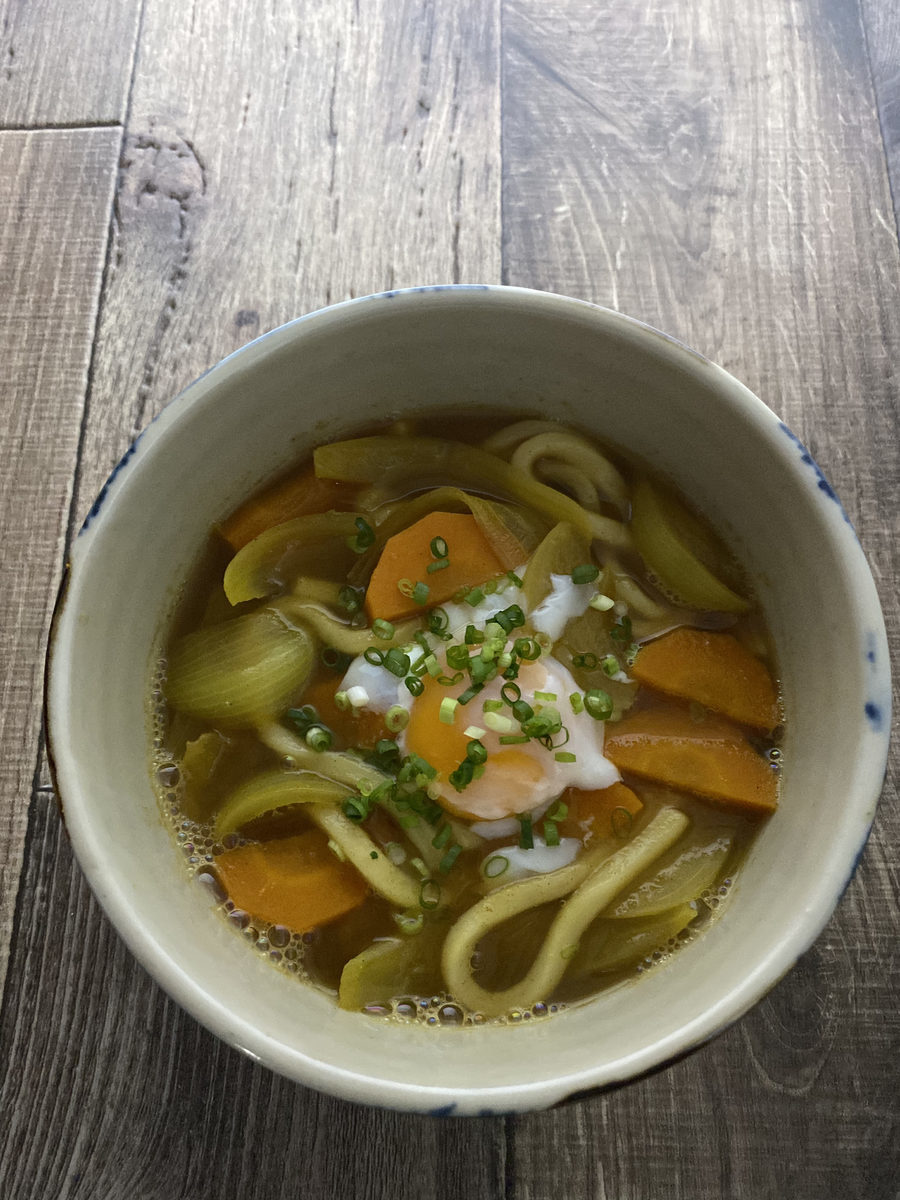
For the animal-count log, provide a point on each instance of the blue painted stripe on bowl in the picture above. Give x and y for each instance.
(94, 510)
(445, 1110)
(821, 482)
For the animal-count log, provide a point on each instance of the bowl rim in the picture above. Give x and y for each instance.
(287, 1060)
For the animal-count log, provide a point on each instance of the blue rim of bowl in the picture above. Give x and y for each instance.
(437, 1100)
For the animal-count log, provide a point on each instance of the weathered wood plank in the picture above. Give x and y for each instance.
(108, 1089)
(270, 166)
(65, 64)
(881, 20)
(55, 196)
(725, 181)
(275, 166)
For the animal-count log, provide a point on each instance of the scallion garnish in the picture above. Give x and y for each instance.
(363, 538)
(335, 660)
(527, 648)
(495, 866)
(587, 661)
(440, 564)
(350, 599)
(449, 858)
(447, 713)
(438, 621)
(585, 573)
(442, 837)
(396, 718)
(510, 693)
(420, 593)
(474, 597)
(621, 630)
(497, 722)
(514, 739)
(577, 702)
(565, 756)
(430, 894)
(457, 657)
(601, 603)
(318, 738)
(551, 834)
(374, 656)
(514, 578)
(396, 662)
(470, 693)
(463, 775)
(598, 704)
(474, 637)
(526, 832)
(621, 820)
(439, 548)
(476, 752)
(548, 697)
(414, 685)
(382, 629)
(610, 665)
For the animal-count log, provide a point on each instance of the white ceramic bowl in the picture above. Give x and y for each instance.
(507, 350)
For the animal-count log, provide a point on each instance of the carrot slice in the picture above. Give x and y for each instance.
(715, 670)
(598, 814)
(294, 881)
(709, 758)
(354, 727)
(407, 555)
(295, 496)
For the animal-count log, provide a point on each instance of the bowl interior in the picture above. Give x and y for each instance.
(507, 351)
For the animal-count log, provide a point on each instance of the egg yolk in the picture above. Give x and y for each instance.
(511, 773)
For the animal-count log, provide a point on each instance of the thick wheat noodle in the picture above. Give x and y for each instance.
(572, 480)
(639, 603)
(505, 440)
(575, 452)
(592, 893)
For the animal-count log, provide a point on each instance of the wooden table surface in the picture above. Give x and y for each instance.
(178, 178)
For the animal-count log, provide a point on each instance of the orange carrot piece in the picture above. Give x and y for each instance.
(354, 727)
(594, 814)
(407, 555)
(715, 670)
(709, 758)
(294, 881)
(292, 497)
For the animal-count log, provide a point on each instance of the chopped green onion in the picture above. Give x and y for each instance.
(601, 603)
(474, 637)
(510, 693)
(442, 837)
(440, 564)
(514, 578)
(356, 807)
(420, 867)
(457, 656)
(420, 593)
(514, 739)
(350, 599)
(610, 665)
(470, 693)
(358, 697)
(490, 587)
(448, 709)
(396, 718)
(621, 630)
(497, 722)
(621, 820)
(364, 537)
(598, 704)
(476, 752)
(438, 621)
(463, 775)
(430, 894)
(414, 686)
(558, 811)
(318, 738)
(551, 833)
(382, 629)
(432, 666)
(474, 597)
(396, 662)
(335, 660)
(449, 858)
(408, 924)
(473, 731)
(550, 697)
(526, 832)
(438, 548)
(587, 661)
(374, 656)
(495, 866)
(492, 706)
(527, 648)
(577, 702)
(373, 854)
(450, 680)
(586, 573)
(565, 756)
(522, 710)
(511, 671)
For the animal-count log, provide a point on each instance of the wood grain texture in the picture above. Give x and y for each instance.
(881, 21)
(59, 182)
(115, 1092)
(273, 166)
(724, 180)
(65, 64)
